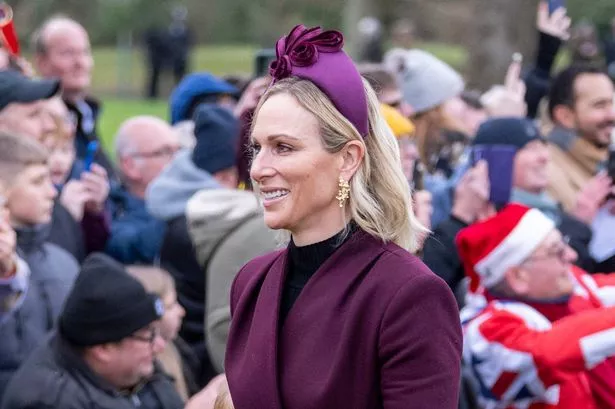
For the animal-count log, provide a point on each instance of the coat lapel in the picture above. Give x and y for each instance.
(256, 358)
(340, 270)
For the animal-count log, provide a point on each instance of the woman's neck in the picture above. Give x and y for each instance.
(321, 232)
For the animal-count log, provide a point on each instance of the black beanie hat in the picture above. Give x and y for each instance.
(217, 135)
(516, 132)
(106, 304)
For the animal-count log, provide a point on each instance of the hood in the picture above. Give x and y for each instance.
(213, 214)
(193, 86)
(168, 194)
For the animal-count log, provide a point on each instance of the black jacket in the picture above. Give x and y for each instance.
(177, 256)
(55, 376)
(538, 77)
(66, 232)
(441, 256)
(85, 134)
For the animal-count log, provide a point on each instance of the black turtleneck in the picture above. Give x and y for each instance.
(303, 262)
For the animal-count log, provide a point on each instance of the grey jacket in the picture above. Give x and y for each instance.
(227, 230)
(52, 274)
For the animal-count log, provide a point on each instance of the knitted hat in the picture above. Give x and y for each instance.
(426, 81)
(217, 132)
(399, 124)
(193, 86)
(489, 248)
(516, 132)
(106, 304)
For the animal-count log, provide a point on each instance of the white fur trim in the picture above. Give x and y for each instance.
(516, 247)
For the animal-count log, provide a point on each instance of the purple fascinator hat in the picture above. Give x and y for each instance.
(317, 56)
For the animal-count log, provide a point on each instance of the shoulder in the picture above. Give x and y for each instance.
(403, 269)
(414, 291)
(63, 259)
(55, 388)
(499, 318)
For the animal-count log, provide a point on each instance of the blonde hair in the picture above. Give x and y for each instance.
(380, 198)
(155, 280)
(429, 127)
(224, 400)
(17, 153)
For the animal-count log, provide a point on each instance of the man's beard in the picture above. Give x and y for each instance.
(592, 137)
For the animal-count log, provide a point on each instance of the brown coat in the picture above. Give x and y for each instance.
(570, 170)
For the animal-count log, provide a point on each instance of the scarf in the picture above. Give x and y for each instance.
(541, 201)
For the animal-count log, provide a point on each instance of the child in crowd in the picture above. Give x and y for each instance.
(82, 193)
(24, 172)
(177, 359)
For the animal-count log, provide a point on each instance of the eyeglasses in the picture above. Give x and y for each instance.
(149, 338)
(165, 151)
(559, 253)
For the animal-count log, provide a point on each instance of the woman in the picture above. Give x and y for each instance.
(345, 316)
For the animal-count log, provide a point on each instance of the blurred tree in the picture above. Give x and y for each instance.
(500, 28)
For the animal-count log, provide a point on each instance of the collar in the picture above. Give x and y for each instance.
(92, 102)
(73, 362)
(553, 310)
(541, 201)
(32, 238)
(587, 155)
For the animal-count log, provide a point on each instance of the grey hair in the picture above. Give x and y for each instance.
(38, 40)
(123, 144)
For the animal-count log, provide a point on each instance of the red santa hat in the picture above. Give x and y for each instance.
(489, 248)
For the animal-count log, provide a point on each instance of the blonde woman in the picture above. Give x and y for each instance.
(344, 316)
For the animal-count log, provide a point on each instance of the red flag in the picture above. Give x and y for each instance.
(7, 30)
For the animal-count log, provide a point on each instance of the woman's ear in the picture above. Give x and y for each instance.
(352, 156)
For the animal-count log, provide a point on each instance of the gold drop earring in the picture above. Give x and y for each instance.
(343, 192)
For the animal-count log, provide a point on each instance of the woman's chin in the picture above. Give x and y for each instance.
(274, 222)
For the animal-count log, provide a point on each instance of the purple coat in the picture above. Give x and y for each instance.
(373, 328)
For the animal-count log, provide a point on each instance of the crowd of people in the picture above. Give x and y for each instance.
(337, 234)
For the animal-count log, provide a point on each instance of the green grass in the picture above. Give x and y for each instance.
(119, 78)
(115, 111)
(124, 73)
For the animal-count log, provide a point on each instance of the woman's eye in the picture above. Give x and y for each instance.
(282, 148)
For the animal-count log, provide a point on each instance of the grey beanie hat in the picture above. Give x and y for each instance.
(425, 80)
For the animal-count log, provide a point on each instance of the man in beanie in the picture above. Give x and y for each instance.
(144, 146)
(541, 332)
(103, 354)
(529, 184)
(210, 165)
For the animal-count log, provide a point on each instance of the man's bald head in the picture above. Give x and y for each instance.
(141, 132)
(62, 49)
(144, 145)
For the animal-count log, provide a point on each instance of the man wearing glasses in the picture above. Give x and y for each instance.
(144, 146)
(538, 331)
(104, 352)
